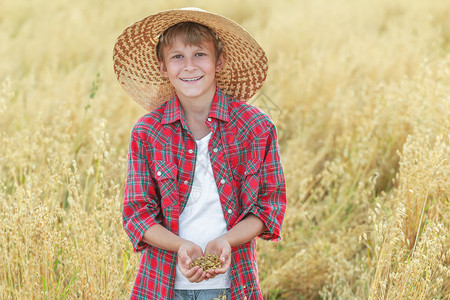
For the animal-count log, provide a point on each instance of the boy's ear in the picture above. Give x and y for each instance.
(163, 69)
(220, 63)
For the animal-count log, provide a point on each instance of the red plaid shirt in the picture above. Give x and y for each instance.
(246, 164)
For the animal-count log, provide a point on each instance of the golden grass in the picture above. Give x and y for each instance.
(359, 91)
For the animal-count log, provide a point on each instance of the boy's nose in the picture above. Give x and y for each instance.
(189, 65)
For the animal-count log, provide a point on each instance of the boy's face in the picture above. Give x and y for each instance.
(191, 69)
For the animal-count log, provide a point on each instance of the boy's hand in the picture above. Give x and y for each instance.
(221, 247)
(186, 254)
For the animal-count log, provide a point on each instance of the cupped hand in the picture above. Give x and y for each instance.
(221, 247)
(187, 253)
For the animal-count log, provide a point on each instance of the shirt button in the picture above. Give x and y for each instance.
(209, 119)
(158, 173)
(229, 211)
(186, 182)
(222, 181)
(190, 151)
(215, 150)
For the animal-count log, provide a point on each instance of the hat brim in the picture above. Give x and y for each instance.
(136, 62)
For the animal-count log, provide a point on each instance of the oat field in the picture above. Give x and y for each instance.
(359, 91)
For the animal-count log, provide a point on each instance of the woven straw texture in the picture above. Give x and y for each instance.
(137, 68)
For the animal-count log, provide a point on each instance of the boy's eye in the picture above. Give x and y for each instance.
(200, 54)
(178, 56)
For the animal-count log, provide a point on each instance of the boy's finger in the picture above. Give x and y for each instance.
(189, 272)
(223, 268)
(194, 274)
(225, 259)
(224, 255)
(210, 274)
(183, 266)
(197, 276)
(182, 255)
(220, 271)
(202, 276)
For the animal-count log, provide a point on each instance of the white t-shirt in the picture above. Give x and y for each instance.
(202, 219)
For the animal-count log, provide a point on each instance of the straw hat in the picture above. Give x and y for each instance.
(137, 68)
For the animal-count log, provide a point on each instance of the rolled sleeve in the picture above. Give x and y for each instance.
(140, 208)
(270, 205)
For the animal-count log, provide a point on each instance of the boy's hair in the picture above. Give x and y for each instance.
(191, 34)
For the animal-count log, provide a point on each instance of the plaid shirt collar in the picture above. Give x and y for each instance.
(174, 112)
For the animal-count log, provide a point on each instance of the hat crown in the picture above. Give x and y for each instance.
(193, 9)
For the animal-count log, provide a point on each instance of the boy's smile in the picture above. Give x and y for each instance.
(191, 69)
(192, 79)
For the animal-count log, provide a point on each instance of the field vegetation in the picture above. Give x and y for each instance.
(360, 94)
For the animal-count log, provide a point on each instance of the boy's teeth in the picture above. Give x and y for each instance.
(191, 79)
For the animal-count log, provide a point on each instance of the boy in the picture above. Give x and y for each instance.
(204, 174)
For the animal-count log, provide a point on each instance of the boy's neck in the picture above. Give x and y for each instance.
(196, 110)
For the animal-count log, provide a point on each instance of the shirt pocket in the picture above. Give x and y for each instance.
(165, 174)
(247, 176)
